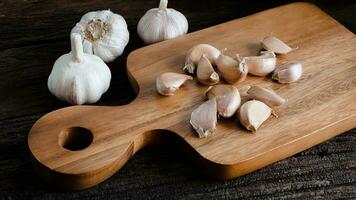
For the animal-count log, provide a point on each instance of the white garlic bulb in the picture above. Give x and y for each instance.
(104, 34)
(161, 23)
(78, 77)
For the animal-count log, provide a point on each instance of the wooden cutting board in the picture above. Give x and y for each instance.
(78, 147)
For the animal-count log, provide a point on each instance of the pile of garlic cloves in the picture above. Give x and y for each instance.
(252, 105)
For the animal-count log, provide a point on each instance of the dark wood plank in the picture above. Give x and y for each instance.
(34, 33)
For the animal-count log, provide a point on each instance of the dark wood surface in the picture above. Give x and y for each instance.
(34, 33)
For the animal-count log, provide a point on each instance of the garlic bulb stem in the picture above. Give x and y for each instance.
(77, 47)
(163, 4)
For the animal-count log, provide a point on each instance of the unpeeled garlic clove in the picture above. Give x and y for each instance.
(168, 83)
(267, 96)
(227, 97)
(288, 72)
(204, 118)
(261, 65)
(231, 70)
(205, 72)
(276, 45)
(195, 53)
(243, 90)
(253, 113)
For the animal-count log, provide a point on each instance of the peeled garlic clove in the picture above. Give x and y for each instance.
(77, 77)
(227, 97)
(261, 65)
(276, 45)
(195, 53)
(104, 34)
(267, 96)
(168, 83)
(205, 72)
(288, 72)
(204, 119)
(161, 23)
(253, 113)
(231, 70)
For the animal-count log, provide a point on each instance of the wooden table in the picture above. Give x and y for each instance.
(34, 33)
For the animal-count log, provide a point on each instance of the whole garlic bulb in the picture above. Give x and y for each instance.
(161, 23)
(104, 34)
(78, 77)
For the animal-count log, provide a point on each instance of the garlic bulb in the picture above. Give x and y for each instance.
(288, 72)
(161, 23)
(261, 65)
(276, 45)
(232, 70)
(104, 34)
(195, 53)
(253, 113)
(267, 96)
(168, 83)
(205, 72)
(78, 77)
(204, 119)
(227, 97)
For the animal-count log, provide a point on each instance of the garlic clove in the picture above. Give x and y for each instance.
(204, 118)
(244, 89)
(276, 45)
(161, 23)
(227, 97)
(253, 113)
(205, 72)
(231, 70)
(267, 96)
(261, 65)
(195, 53)
(77, 77)
(168, 83)
(103, 33)
(288, 72)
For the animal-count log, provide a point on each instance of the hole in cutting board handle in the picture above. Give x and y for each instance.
(75, 138)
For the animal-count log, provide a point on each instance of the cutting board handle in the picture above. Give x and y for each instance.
(79, 146)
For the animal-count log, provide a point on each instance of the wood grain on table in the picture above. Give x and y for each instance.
(31, 42)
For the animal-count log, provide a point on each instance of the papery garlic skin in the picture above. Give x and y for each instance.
(168, 83)
(161, 23)
(261, 65)
(288, 72)
(227, 97)
(205, 72)
(204, 118)
(231, 70)
(253, 113)
(276, 45)
(195, 53)
(104, 34)
(77, 77)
